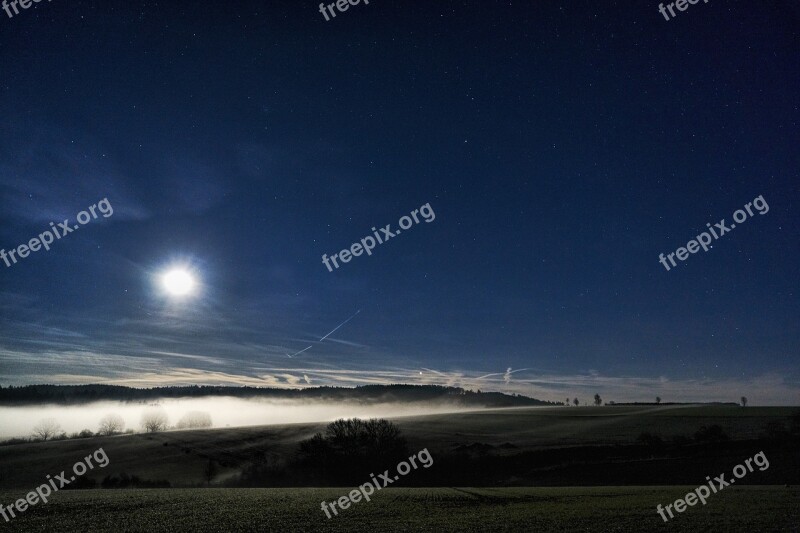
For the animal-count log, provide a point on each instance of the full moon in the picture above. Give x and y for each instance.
(178, 282)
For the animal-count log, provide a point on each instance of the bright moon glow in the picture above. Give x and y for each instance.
(178, 282)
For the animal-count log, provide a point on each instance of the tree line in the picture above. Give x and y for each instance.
(599, 401)
(79, 394)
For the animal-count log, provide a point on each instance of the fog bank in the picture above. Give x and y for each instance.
(18, 421)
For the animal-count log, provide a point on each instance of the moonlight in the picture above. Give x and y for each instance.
(178, 282)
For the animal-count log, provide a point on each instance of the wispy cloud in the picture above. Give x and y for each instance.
(203, 358)
(159, 369)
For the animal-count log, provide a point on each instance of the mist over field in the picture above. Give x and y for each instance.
(224, 411)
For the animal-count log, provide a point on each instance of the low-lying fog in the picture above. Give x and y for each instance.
(224, 411)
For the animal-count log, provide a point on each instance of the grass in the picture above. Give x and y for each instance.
(608, 509)
(180, 456)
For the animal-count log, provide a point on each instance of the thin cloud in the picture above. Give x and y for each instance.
(148, 371)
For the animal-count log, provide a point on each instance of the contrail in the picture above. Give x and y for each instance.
(340, 325)
(298, 353)
(506, 373)
(326, 336)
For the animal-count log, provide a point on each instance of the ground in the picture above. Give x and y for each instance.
(180, 456)
(606, 509)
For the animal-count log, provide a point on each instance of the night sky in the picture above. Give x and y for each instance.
(561, 145)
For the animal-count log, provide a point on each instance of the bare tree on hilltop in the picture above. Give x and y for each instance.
(194, 420)
(47, 429)
(111, 424)
(154, 420)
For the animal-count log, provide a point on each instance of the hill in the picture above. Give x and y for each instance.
(368, 394)
(499, 447)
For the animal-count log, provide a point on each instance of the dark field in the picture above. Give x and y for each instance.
(745, 509)
(548, 469)
(552, 446)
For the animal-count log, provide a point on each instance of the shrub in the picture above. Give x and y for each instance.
(649, 439)
(125, 481)
(349, 448)
(711, 434)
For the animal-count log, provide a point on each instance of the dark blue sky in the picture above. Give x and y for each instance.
(562, 147)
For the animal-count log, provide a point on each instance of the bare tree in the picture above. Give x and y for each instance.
(576, 402)
(658, 399)
(194, 419)
(47, 429)
(744, 401)
(597, 400)
(567, 402)
(210, 471)
(111, 424)
(154, 420)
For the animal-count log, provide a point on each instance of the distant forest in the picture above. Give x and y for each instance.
(368, 394)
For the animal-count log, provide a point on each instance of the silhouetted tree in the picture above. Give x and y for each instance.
(575, 401)
(597, 399)
(46, 429)
(349, 447)
(658, 399)
(110, 424)
(194, 420)
(154, 420)
(210, 471)
(744, 401)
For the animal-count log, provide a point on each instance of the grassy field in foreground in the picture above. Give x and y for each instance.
(607, 509)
